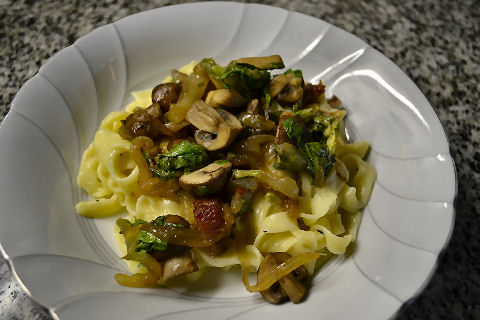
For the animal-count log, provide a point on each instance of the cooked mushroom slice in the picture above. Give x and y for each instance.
(209, 179)
(204, 117)
(291, 285)
(217, 127)
(291, 94)
(277, 84)
(286, 87)
(179, 265)
(275, 294)
(266, 63)
(226, 98)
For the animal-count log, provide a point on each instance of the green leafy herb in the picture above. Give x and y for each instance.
(202, 191)
(289, 158)
(183, 157)
(135, 223)
(320, 160)
(316, 146)
(246, 79)
(277, 65)
(160, 221)
(221, 161)
(294, 130)
(325, 129)
(296, 73)
(148, 242)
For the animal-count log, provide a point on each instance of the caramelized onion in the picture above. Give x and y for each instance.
(277, 273)
(137, 280)
(253, 143)
(154, 268)
(147, 184)
(192, 89)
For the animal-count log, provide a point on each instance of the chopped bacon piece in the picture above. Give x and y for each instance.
(311, 92)
(209, 216)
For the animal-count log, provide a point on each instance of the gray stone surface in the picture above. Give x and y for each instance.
(436, 43)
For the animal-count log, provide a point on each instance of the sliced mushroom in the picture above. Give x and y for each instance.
(204, 117)
(211, 178)
(179, 265)
(266, 63)
(217, 127)
(275, 294)
(290, 94)
(286, 88)
(226, 98)
(291, 285)
(277, 84)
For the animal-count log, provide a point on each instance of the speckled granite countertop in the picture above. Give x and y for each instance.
(436, 43)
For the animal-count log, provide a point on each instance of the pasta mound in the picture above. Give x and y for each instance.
(325, 215)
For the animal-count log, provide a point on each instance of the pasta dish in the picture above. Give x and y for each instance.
(221, 166)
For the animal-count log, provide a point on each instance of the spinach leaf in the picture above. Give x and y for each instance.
(316, 146)
(244, 78)
(183, 157)
(294, 130)
(248, 80)
(320, 160)
(148, 242)
(160, 221)
(289, 158)
(296, 73)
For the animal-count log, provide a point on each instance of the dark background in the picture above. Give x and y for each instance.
(437, 43)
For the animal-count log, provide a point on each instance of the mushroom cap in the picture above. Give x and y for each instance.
(225, 97)
(179, 265)
(217, 127)
(204, 117)
(266, 63)
(213, 177)
(286, 87)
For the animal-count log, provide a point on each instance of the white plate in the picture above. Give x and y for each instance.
(67, 262)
